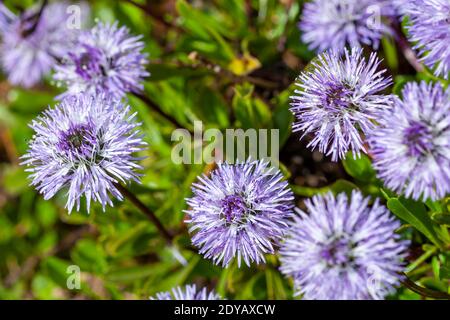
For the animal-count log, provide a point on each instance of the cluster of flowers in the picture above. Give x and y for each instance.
(87, 142)
(342, 247)
(333, 24)
(342, 96)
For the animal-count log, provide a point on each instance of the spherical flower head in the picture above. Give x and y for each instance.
(84, 145)
(411, 149)
(189, 292)
(241, 211)
(334, 24)
(343, 249)
(32, 42)
(107, 59)
(339, 96)
(430, 29)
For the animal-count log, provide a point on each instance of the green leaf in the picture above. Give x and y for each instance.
(209, 30)
(359, 168)
(342, 186)
(415, 214)
(400, 82)
(338, 187)
(124, 239)
(435, 265)
(444, 272)
(178, 277)
(390, 53)
(435, 206)
(43, 287)
(282, 116)
(236, 11)
(15, 179)
(433, 284)
(131, 274)
(208, 105)
(46, 213)
(169, 96)
(441, 218)
(57, 270)
(275, 287)
(253, 288)
(26, 101)
(224, 280)
(161, 71)
(198, 22)
(47, 242)
(89, 256)
(250, 112)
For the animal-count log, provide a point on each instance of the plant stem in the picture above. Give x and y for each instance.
(425, 292)
(142, 207)
(8, 144)
(146, 9)
(406, 49)
(154, 107)
(421, 259)
(36, 18)
(137, 5)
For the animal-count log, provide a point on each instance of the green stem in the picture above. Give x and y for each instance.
(36, 18)
(421, 259)
(143, 208)
(153, 106)
(424, 292)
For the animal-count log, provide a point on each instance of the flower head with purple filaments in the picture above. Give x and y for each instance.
(429, 29)
(189, 292)
(241, 211)
(411, 149)
(338, 97)
(404, 6)
(343, 249)
(334, 24)
(32, 42)
(107, 59)
(86, 145)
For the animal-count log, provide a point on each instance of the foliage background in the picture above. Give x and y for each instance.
(230, 64)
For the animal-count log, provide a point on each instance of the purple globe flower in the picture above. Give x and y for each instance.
(333, 24)
(240, 210)
(32, 42)
(339, 96)
(107, 59)
(403, 6)
(411, 150)
(343, 249)
(84, 145)
(189, 292)
(6, 17)
(430, 29)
